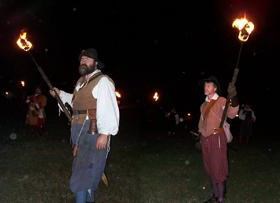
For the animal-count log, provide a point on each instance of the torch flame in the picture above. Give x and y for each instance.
(118, 95)
(245, 28)
(156, 96)
(22, 83)
(23, 43)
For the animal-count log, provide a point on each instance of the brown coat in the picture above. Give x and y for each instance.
(211, 115)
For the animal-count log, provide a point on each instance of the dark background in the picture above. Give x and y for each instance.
(168, 46)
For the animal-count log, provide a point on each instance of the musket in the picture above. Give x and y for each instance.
(49, 84)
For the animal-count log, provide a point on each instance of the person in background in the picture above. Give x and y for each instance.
(36, 116)
(173, 120)
(248, 118)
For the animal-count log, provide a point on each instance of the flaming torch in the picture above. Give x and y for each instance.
(22, 83)
(245, 28)
(156, 96)
(118, 95)
(23, 43)
(26, 45)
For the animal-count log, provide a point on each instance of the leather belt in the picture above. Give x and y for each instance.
(78, 112)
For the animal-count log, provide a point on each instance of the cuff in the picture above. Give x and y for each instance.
(103, 133)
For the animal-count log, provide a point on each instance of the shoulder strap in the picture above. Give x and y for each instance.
(208, 107)
(97, 75)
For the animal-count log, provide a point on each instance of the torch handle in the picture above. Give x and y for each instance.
(46, 79)
(233, 81)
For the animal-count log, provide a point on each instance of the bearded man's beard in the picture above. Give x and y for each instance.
(84, 69)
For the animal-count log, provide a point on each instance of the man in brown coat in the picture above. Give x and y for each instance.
(213, 139)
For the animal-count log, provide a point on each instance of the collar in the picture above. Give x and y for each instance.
(92, 74)
(215, 97)
(86, 78)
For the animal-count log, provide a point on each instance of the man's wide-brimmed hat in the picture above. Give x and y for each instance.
(214, 80)
(91, 53)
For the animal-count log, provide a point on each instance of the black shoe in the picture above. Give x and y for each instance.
(212, 199)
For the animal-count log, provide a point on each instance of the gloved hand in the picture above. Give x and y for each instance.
(231, 90)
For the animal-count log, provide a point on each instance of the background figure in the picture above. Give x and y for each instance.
(173, 120)
(36, 117)
(247, 117)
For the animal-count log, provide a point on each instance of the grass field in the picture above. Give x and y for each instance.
(142, 167)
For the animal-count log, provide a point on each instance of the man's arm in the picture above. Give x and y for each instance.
(233, 108)
(64, 96)
(234, 102)
(107, 112)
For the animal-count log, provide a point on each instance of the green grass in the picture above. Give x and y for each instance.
(150, 168)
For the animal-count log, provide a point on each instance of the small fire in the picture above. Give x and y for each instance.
(23, 43)
(22, 83)
(245, 28)
(156, 96)
(118, 95)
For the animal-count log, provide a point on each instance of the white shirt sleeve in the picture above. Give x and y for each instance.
(107, 112)
(66, 98)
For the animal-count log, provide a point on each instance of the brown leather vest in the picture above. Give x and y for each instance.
(83, 98)
(84, 102)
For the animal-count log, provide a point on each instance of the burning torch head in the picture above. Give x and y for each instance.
(156, 96)
(23, 42)
(245, 28)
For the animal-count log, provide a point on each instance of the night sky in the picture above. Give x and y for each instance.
(167, 46)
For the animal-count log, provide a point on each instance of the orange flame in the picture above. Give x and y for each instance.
(23, 43)
(22, 83)
(118, 95)
(156, 96)
(245, 28)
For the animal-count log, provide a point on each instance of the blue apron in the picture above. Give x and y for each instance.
(88, 166)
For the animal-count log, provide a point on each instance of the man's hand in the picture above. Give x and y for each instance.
(231, 90)
(102, 142)
(53, 93)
